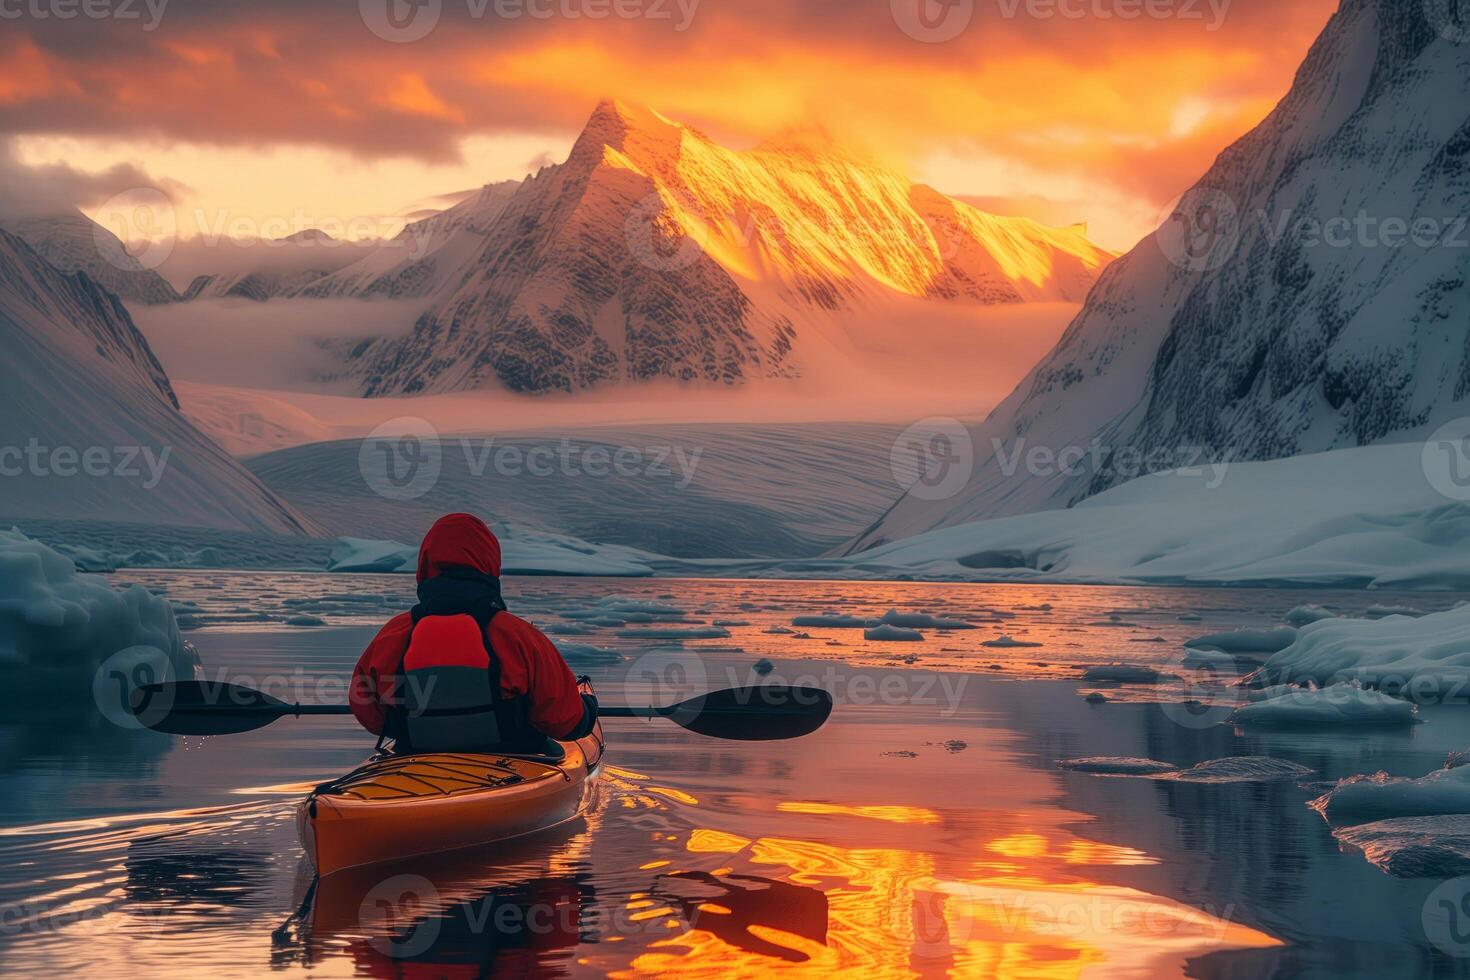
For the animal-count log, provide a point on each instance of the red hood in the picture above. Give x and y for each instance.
(462, 540)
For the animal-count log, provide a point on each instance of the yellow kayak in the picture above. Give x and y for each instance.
(395, 807)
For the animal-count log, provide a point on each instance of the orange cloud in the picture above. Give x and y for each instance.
(1136, 107)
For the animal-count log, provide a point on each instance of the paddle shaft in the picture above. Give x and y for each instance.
(745, 714)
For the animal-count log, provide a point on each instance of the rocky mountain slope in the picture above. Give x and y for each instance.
(1309, 292)
(73, 242)
(654, 252)
(90, 428)
(429, 256)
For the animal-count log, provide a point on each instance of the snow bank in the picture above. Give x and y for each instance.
(54, 620)
(1361, 517)
(1346, 705)
(522, 553)
(1380, 795)
(1427, 656)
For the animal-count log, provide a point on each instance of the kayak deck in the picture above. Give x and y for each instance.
(436, 774)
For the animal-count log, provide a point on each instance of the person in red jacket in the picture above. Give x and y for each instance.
(458, 673)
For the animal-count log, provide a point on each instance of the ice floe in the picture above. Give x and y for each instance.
(1339, 705)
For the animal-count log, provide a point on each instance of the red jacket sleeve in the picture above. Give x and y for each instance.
(531, 665)
(373, 677)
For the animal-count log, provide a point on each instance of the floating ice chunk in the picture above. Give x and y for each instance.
(1008, 642)
(919, 620)
(368, 555)
(1117, 765)
(1274, 691)
(1232, 769)
(1377, 611)
(1381, 795)
(675, 633)
(1308, 613)
(889, 632)
(586, 655)
(1123, 674)
(1414, 847)
(55, 620)
(1242, 769)
(623, 604)
(569, 629)
(1344, 705)
(1429, 654)
(1246, 641)
(833, 621)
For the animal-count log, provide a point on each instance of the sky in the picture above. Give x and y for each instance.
(275, 115)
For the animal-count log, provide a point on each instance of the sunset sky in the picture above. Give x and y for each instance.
(293, 110)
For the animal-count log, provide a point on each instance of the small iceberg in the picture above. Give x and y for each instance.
(889, 633)
(1341, 705)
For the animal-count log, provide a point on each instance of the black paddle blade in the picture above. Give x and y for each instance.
(204, 708)
(754, 714)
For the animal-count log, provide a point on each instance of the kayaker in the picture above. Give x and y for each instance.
(458, 673)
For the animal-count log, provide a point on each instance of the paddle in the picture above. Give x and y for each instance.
(747, 714)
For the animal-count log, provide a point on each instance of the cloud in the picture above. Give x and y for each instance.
(58, 188)
(1082, 88)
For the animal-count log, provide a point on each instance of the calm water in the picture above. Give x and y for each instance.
(925, 831)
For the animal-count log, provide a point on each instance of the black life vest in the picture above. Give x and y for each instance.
(448, 691)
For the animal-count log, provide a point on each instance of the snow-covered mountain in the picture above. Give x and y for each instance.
(653, 252)
(429, 256)
(73, 242)
(259, 285)
(264, 269)
(89, 424)
(1310, 292)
